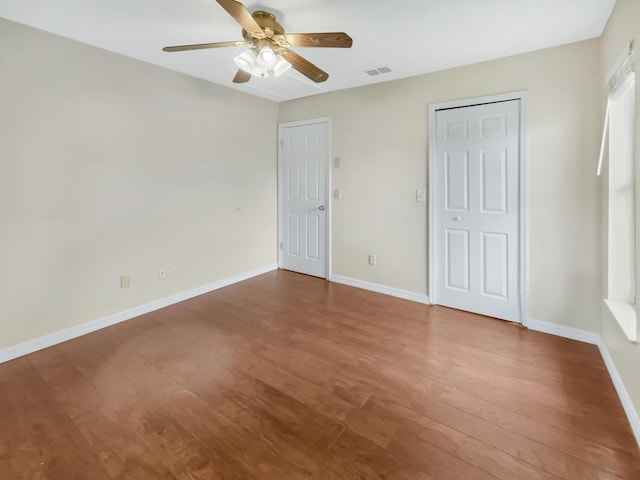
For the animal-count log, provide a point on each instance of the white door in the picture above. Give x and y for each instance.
(304, 165)
(477, 178)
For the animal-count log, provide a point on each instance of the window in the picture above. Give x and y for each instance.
(621, 257)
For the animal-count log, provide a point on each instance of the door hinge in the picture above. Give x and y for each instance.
(280, 245)
(281, 143)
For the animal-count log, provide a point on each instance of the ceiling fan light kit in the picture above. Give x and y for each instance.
(267, 63)
(266, 37)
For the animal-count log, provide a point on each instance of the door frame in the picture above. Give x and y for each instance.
(327, 171)
(523, 218)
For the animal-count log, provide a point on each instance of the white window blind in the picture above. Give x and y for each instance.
(618, 77)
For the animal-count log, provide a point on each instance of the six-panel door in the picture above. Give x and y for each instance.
(304, 184)
(477, 209)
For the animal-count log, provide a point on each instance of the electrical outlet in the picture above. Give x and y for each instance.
(124, 281)
(162, 274)
(372, 260)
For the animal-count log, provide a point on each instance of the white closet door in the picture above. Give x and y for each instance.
(477, 210)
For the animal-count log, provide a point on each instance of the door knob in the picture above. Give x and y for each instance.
(321, 207)
(455, 219)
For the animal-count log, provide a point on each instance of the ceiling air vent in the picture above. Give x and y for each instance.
(377, 71)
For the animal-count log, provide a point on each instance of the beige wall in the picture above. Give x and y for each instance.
(623, 26)
(380, 134)
(111, 166)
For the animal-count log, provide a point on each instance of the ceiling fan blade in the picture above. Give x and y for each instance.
(329, 39)
(242, 16)
(242, 76)
(304, 66)
(200, 46)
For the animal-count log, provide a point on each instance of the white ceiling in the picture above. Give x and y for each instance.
(411, 37)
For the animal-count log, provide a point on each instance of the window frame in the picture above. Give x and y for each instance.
(621, 294)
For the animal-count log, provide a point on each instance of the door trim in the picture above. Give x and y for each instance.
(523, 218)
(327, 169)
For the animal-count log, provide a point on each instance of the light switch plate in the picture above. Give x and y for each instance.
(337, 194)
(421, 196)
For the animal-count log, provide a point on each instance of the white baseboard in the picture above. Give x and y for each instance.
(563, 331)
(632, 414)
(374, 287)
(31, 346)
(595, 339)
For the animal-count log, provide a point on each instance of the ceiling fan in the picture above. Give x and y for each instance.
(270, 53)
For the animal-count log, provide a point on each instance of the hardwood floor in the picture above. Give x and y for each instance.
(286, 376)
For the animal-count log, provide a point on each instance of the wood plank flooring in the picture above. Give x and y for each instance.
(286, 376)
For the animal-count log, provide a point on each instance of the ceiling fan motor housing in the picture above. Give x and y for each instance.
(267, 22)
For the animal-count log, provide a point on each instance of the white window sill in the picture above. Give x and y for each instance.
(626, 317)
